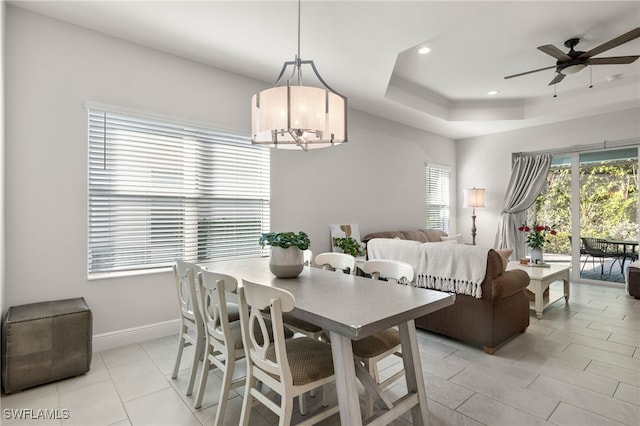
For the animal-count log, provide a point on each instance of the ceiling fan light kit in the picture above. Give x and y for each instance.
(575, 61)
(296, 116)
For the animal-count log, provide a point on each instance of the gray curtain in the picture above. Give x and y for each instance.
(528, 177)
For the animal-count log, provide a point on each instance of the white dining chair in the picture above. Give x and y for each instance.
(191, 323)
(338, 261)
(223, 337)
(288, 367)
(372, 349)
(308, 257)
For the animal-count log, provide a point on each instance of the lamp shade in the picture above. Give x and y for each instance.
(298, 116)
(474, 197)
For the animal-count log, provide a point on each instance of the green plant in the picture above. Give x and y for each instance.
(285, 240)
(349, 245)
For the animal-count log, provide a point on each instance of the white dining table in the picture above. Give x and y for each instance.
(349, 308)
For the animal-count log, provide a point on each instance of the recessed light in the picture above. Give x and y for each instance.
(493, 92)
(424, 50)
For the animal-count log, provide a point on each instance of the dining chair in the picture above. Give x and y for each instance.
(222, 335)
(288, 367)
(191, 323)
(372, 349)
(223, 338)
(601, 249)
(338, 261)
(308, 257)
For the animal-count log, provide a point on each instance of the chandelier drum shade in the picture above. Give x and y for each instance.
(295, 116)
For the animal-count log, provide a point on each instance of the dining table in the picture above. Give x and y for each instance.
(631, 253)
(348, 308)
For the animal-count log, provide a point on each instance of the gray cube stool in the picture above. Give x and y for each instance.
(44, 342)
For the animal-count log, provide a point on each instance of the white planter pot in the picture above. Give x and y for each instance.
(536, 256)
(286, 263)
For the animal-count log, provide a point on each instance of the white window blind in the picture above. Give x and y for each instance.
(437, 186)
(162, 191)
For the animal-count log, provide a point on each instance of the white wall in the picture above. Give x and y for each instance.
(52, 69)
(2, 73)
(486, 161)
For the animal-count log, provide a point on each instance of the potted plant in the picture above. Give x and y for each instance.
(537, 235)
(287, 259)
(349, 245)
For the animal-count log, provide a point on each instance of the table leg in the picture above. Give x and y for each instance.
(537, 286)
(566, 288)
(413, 372)
(346, 385)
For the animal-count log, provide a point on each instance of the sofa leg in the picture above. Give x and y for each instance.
(488, 350)
(524, 330)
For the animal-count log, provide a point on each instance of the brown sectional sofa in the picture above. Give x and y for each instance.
(501, 313)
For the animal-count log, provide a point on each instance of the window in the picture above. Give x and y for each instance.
(162, 191)
(437, 211)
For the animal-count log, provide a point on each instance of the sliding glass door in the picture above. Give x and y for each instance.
(591, 198)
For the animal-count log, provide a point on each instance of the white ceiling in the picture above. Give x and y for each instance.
(366, 50)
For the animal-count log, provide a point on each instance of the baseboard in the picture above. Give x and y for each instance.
(115, 339)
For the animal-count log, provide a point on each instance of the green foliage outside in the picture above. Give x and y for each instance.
(608, 203)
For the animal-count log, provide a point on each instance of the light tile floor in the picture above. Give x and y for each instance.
(578, 365)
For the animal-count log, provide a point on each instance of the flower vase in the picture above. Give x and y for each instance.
(536, 256)
(286, 262)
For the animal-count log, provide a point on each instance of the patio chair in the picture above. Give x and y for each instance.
(601, 249)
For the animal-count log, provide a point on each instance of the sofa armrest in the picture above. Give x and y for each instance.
(508, 283)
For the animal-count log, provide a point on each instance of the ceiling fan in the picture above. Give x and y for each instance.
(573, 61)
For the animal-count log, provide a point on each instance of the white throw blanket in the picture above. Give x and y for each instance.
(394, 249)
(452, 267)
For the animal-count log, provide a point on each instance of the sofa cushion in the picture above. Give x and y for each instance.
(433, 235)
(383, 234)
(505, 254)
(415, 236)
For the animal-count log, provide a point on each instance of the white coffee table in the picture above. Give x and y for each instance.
(541, 278)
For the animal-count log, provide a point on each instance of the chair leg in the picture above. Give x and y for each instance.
(194, 368)
(206, 366)
(181, 342)
(247, 401)
(286, 407)
(325, 392)
(302, 401)
(224, 391)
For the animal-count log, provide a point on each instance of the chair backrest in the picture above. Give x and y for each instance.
(594, 245)
(188, 293)
(270, 358)
(337, 261)
(213, 287)
(308, 257)
(401, 272)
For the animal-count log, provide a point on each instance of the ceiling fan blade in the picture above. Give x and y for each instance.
(557, 79)
(613, 60)
(633, 34)
(529, 72)
(550, 49)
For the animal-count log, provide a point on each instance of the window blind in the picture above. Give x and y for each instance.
(161, 191)
(437, 186)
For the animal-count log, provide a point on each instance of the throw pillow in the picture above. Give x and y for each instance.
(505, 254)
(455, 239)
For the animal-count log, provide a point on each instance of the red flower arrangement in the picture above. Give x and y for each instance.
(537, 234)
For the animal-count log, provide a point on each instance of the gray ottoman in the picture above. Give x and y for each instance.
(44, 342)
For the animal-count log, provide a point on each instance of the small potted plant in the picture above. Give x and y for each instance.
(349, 245)
(287, 259)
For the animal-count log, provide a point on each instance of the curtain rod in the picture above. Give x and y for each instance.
(621, 143)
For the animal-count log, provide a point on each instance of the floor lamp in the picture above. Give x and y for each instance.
(473, 197)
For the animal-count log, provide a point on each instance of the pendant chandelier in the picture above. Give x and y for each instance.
(293, 115)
